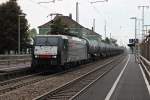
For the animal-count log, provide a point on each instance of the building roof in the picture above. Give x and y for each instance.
(70, 23)
(65, 19)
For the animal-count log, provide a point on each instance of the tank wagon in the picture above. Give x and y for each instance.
(61, 50)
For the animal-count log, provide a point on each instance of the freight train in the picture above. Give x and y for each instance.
(62, 50)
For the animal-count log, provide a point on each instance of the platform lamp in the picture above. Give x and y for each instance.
(20, 15)
(135, 18)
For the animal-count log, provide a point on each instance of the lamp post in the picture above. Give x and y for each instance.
(135, 34)
(20, 15)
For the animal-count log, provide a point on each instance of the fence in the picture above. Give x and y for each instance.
(145, 48)
(9, 57)
(145, 56)
(14, 60)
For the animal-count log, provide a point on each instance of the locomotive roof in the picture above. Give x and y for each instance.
(63, 36)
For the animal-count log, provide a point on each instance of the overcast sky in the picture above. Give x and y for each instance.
(117, 14)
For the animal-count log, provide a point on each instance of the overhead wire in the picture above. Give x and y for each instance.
(100, 14)
(38, 4)
(95, 9)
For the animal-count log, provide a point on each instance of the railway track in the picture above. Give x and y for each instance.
(70, 89)
(13, 84)
(7, 88)
(6, 75)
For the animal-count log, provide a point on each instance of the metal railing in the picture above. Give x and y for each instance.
(5, 57)
(14, 61)
(146, 67)
(8, 62)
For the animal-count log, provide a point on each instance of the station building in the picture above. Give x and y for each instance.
(74, 27)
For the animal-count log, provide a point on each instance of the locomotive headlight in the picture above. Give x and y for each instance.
(36, 56)
(54, 56)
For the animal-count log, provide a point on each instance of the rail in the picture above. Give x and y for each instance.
(146, 66)
(77, 84)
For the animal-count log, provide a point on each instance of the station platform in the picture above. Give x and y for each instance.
(131, 85)
(124, 82)
(11, 67)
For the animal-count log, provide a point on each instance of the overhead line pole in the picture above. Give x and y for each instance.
(77, 12)
(143, 9)
(94, 24)
(105, 28)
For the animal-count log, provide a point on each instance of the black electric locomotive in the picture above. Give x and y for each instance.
(58, 50)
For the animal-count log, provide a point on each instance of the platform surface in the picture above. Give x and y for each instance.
(131, 85)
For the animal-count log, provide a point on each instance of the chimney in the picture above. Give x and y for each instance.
(93, 29)
(70, 16)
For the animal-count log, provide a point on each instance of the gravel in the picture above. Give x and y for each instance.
(31, 91)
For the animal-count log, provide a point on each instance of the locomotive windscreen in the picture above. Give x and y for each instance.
(46, 41)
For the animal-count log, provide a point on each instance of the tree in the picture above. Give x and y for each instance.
(32, 33)
(9, 13)
(58, 27)
(114, 41)
(106, 40)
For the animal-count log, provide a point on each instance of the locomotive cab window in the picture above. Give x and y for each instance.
(46, 41)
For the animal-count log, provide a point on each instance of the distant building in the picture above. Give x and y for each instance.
(74, 27)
